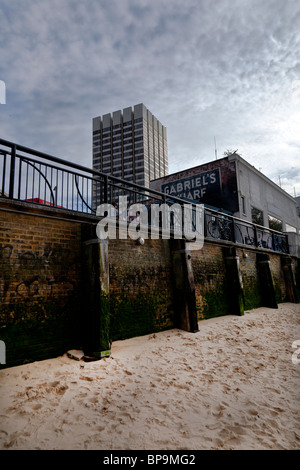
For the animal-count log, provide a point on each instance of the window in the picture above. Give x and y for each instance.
(290, 228)
(243, 204)
(274, 223)
(257, 216)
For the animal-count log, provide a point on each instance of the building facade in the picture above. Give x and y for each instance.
(130, 144)
(233, 186)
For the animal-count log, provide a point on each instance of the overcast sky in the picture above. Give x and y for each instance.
(209, 70)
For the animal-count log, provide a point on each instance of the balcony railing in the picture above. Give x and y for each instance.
(35, 177)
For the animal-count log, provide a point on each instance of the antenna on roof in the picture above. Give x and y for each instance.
(215, 148)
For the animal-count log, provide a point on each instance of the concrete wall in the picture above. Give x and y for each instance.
(60, 288)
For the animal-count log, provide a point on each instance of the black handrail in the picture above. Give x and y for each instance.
(217, 224)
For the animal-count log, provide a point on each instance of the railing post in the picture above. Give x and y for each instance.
(105, 188)
(205, 223)
(273, 242)
(12, 171)
(287, 244)
(255, 235)
(233, 239)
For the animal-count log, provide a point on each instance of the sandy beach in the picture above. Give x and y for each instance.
(232, 385)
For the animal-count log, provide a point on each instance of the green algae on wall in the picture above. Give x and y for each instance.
(38, 329)
(252, 295)
(213, 303)
(137, 315)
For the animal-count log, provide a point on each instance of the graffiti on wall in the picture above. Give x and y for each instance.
(29, 274)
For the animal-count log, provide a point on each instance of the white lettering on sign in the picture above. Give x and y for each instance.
(194, 187)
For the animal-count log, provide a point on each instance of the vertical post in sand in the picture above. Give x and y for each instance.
(95, 308)
(266, 282)
(234, 281)
(184, 287)
(290, 283)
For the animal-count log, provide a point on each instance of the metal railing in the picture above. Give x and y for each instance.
(228, 228)
(35, 177)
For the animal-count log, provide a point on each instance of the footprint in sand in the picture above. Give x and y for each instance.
(88, 379)
(54, 384)
(36, 406)
(94, 399)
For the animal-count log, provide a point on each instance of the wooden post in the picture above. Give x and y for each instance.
(290, 283)
(95, 309)
(266, 282)
(184, 287)
(234, 281)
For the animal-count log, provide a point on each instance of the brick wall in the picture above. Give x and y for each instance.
(141, 290)
(39, 282)
(211, 282)
(278, 278)
(252, 295)
(43, 302)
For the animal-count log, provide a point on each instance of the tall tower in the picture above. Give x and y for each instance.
(130, 144)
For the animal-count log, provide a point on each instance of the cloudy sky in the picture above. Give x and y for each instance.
(209, 70)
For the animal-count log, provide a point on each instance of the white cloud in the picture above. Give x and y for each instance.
(228, 69)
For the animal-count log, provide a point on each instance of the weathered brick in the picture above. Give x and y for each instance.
(41, 283)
